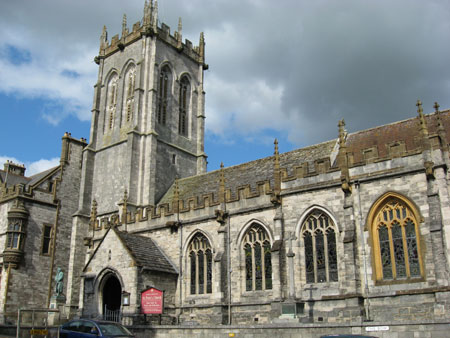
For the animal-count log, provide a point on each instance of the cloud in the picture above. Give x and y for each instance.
(296, 67)
(32, 168)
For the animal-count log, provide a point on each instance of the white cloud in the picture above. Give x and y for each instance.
(32, 168)
(295, 66)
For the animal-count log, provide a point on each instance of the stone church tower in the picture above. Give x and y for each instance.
(147, 124)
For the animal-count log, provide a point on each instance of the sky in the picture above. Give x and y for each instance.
(287, 69)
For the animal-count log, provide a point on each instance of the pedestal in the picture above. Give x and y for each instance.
(57, 303)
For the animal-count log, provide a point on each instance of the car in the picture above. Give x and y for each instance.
(346, 336)
(80, 328)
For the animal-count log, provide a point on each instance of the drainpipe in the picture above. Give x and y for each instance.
(52, 263)
(180, 263)
(228, 263)
(361, 229)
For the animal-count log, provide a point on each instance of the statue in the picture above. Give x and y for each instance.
(59, 282)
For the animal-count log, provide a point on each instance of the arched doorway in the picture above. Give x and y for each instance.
(111, 297)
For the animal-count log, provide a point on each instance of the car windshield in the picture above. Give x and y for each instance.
(110, 329)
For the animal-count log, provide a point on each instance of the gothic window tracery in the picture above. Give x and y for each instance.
(257, 257)
(184, 103)
(396, 242)
(200, 265)
(130, 79)
(163, 95)
(319, 237)
(112, 100)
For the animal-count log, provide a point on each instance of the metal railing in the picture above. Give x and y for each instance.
(37, 321)
(112, 315)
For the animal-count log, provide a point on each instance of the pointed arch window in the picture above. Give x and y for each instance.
(111, 100)
(395, 234)
(319, 237)
(200, 265)
(130, 78)
(163, 95)
(258, 259)
(184, 103)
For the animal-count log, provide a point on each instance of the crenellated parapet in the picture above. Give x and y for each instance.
(149, 27)
(324, 164)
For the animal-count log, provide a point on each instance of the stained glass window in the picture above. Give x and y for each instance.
(395, 232)
(332, 254)
(163, 94)
(319, 239)
(184, 102)
(258, 263)
(200, 256)
(248, 267)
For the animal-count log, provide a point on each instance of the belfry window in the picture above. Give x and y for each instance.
(319, 237)
(112, 101)
(129, 91)
(395, 236)
(163, 95)
(184, 102)
(258, 264)
(200, 265)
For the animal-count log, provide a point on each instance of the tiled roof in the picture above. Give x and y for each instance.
(249, 173)
(36, 178)
(146, 253)
(406, 131)
(13, 179)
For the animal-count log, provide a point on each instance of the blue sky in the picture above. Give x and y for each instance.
(288, 70)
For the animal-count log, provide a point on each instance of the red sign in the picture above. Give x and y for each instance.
(152, 301)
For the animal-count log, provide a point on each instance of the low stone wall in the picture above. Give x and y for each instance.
(381, 330)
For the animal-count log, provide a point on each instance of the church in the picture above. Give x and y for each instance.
(349, 233)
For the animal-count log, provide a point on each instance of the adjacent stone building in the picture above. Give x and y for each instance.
(351, 230)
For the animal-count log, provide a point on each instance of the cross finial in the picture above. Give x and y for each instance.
(419, 107)
(341, 126)
(436, 107)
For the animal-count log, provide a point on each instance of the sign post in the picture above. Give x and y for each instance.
(152, 301)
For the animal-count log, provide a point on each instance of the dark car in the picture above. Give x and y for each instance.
(346, 336)
(92, 328)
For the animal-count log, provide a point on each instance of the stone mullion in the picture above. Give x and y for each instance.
(313, 237)
(205, 272)
(253, 268)
(197, 287)
(325, 251)
(263, 267)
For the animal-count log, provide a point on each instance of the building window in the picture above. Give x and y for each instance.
(163, 95)
(200, 265)
(112, 100)
(129, 92)
(319, 237)
(15, 235)
(46, 239)
(258, 264)
(184, 102)
(395, 234)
